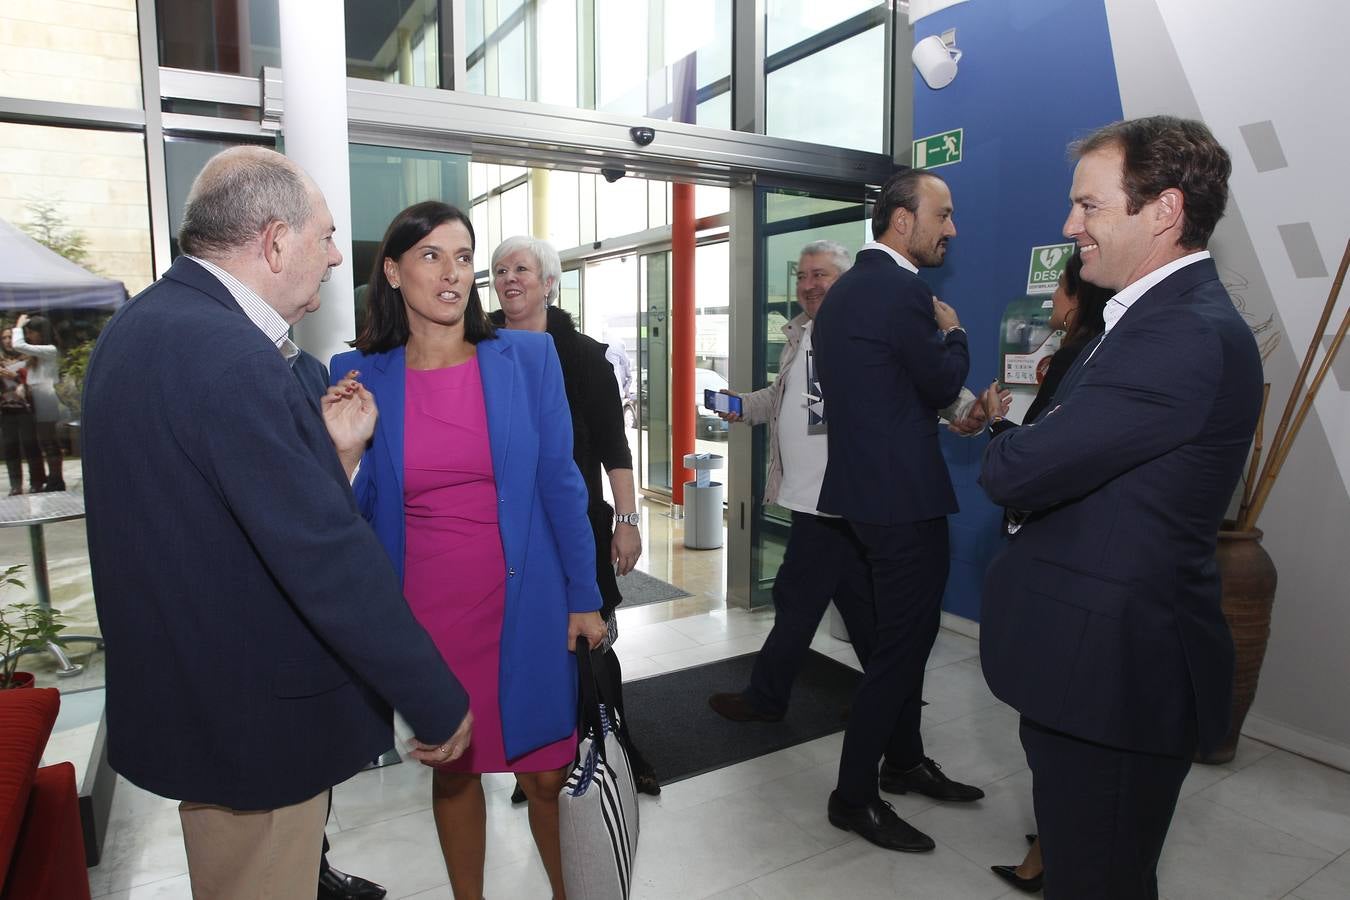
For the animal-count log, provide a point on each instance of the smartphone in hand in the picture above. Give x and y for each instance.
(722, 403)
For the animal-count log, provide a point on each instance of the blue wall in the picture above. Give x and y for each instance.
(1036, 75)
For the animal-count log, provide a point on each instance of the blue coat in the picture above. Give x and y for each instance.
(546, 537)
(1101, 616)
(256, 634)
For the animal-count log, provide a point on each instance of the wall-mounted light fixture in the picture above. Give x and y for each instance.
(936, 59)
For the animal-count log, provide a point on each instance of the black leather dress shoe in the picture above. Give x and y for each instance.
(926, 778)
(737, 709)
(335, 885)
(878, 823)
(1025, 885)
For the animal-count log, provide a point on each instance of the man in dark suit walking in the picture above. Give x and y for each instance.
(890, 356)
(1101, 621)
(256, 633)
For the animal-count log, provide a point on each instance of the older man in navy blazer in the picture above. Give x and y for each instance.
(257, 636)
(1101, 620)
(890, 356)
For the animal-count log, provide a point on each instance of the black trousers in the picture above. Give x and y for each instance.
(909, 563)
(1102, 814)
(823, 561)
(19, 433)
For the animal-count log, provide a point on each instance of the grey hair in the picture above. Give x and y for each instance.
(836, 252)
(550, 266)
(237, 195)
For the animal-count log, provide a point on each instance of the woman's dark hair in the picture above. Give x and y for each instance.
(1088, 323)
(43, 326)
(386, 324)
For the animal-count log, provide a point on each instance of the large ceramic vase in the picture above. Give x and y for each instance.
(1248, 576)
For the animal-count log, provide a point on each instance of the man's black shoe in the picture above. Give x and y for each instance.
(335, 885)
(926, 778)
(736, 708)
(878, 823)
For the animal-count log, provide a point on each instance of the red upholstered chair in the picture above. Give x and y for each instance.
(41, 842)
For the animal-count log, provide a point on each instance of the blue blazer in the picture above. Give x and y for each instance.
(885, 371)
(1101, 616)
(256, 633)
(546, 537)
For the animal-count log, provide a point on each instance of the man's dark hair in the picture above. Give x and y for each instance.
(901, 191)
(1164, 152)
(386, 324)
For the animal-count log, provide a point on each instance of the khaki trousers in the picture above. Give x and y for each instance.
(268, 854)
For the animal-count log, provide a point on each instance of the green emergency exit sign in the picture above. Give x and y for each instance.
(939, 149)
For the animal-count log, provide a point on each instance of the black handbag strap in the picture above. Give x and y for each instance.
(588, 695)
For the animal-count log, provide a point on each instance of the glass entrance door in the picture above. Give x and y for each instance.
(787, 220)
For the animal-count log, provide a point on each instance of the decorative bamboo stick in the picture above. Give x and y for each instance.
(1280, 453)
(1249, 483)
(1297, 389)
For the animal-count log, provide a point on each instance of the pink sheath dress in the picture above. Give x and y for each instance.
(454, 573)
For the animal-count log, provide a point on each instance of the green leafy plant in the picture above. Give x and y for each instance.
(23, 627)
(48, 226)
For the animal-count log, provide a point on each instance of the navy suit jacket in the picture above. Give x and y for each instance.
(1101, 616)
(546, 536)
(256, 632)
(885, 371)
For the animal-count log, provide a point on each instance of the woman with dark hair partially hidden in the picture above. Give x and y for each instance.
(1077, 312)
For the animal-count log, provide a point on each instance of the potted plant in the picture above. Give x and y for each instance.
(1247, 573)
(24, 627)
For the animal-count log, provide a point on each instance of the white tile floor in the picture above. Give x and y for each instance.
(1270, 824)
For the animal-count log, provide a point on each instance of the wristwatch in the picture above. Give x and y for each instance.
(631, 518)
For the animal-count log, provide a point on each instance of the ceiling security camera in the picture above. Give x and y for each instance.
(642, 135)
(613, 175)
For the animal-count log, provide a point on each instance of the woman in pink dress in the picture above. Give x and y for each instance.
(469, 483)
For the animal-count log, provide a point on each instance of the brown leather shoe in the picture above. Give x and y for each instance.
(736, 708)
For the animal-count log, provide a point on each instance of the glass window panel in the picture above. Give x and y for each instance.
(85, 190)
(556, 55)
(569, 294)
(384, 181)
(621, 207)
(515, 213)
(183, 161)
(621, 65)
(564, 212)
(658, 206)
(474, 78)
(834, 97)
(716, 112)
(513, 76)
(627, 63)
(393, 40)
(233, 36)
(711, 200)
(482, 253)
(83, 52)
(82, 194)
(788, 22)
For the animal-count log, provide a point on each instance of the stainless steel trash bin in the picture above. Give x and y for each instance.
(703, 503)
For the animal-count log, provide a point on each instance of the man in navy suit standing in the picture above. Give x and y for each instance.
(890, 356)
(1101, 621)
(257, 635)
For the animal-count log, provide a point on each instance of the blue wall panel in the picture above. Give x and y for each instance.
(1036, 75)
